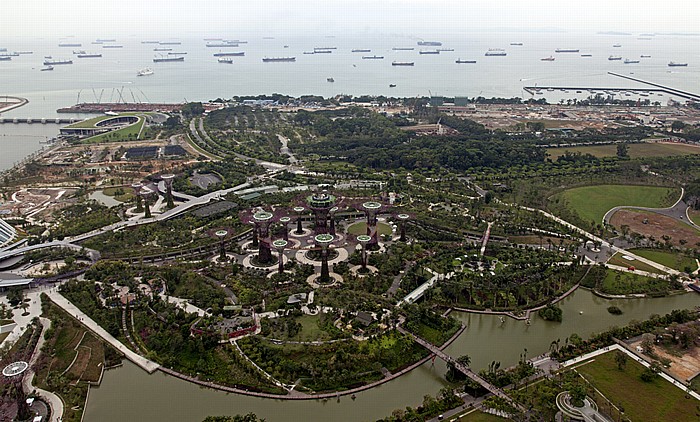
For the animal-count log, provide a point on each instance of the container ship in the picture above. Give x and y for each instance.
(57, 61)
(232, 54)
(162, 49)
(322, 51)
(430, 43)
(66, 44)
(169, 42)
(112, 46)
(403, 48)
(402, 63)
(361, 50)
(630, 61)
(464, 61)
(278, 59)
(177, 54)
(614, 58)
(428, 52)
(88, 55)
(496, 52)
(566, 50)
(224, 44)
(168, 59)
(674, 64)
(372, 57)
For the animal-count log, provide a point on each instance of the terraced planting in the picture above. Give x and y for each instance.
(592, 202)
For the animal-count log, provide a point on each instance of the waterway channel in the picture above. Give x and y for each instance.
(128, 393)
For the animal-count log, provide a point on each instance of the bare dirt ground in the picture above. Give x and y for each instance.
(657, 226)
(684, 367)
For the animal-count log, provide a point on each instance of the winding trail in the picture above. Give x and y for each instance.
(52, 399)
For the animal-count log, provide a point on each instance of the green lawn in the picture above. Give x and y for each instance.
(617, 259)
(695, 216)
(3, 336)
(672, 260)
(361, 228)
(653, 401)
(122, 193)
(630, 283)
(635, 150)
(128, 133)
(592, 202)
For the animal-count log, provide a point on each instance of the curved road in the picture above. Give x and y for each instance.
(677, 211)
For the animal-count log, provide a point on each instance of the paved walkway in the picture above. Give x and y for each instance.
(52, 399)
(73, 310)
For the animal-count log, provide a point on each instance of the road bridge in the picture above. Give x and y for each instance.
(464, 369)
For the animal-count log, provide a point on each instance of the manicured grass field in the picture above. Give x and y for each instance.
(617, 259)
(631, 283)
(123, 194)
(592, 202)
(652, 401)
(361, 228)
(635, 150)
(672, 260)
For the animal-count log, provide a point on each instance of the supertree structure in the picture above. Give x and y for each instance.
(168, 181)
(145, 193)
(285, 222)
(280, 244)
(323, 241)
(298, 211)
(403, 218)
(364, 239)
(320, 204)
(371, 209)
(137, 191)
(221, 234)
(261, 221)
(12, 376)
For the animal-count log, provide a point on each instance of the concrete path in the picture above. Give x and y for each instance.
(54, 401)
(73, 310)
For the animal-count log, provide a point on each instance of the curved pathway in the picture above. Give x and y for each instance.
(677, 211)
(52, 399)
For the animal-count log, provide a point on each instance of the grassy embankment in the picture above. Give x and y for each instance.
(635, 150)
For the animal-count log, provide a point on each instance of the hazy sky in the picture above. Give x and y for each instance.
(272, 17)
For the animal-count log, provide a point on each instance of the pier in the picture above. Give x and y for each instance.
(44, 120)
(657, 89)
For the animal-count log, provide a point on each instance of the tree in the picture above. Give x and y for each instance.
(622, 150)
(465, 360)
(677, 125)
(172, 122)
(620, 360)
(192, 109)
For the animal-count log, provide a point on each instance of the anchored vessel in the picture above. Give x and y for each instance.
(372, 57)
(402, 63)
(361, 50)
(615, 58)
(57, 61)
(548, 59)
(144, 72)
(225, 60)
(465, 61)
(674, 64)
(88, 55)
(629, 61)
(429, 52)
(496, 52)
(237, 54)
(566, 50)
(279, 59)
(403, 48)
(168, 59)
(430, 43)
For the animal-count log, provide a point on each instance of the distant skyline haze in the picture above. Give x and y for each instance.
(174, 18)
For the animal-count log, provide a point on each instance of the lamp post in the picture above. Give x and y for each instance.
(280, 245)
(324, 240)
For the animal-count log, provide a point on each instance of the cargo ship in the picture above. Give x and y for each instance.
(630, 61)
(615, 58)
(103, 40)
(57, 61)
(372, 57)
(464, 61)
(150, 42)
(225, 44)
(278, 59)
(516, 43)
(225, 60)
(322, 51)
(402, 63)
(645, 56)
(44, 69)
(169, 42)
(67, 44)
(79, 52)
(586, 55)
(234, 54)
(617, 45)
(177, 54)
(430, 43)
(162, 49)
(403, 48)
(309, 52)
(445, 49)
(168, 59)
(325, 48)
(674, 64)
(548, 59)
(112, 46)
(495, 52)
(428, 52)
(89, 55)
(5, 58)
(566, 50)
(361, 50)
